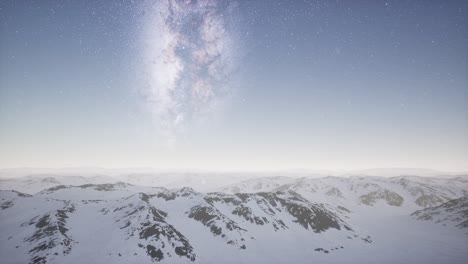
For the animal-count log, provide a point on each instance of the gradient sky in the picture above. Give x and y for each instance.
(246, 85)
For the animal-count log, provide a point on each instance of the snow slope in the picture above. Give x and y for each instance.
(250, 220)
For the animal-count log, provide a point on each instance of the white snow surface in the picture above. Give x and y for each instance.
(225, 218)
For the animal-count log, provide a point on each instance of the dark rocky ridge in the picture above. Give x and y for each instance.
(50, 236)
(454, 211)
(141, 218)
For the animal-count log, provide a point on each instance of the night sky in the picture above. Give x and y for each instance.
(234, 85)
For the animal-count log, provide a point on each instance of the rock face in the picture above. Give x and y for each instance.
(266, 208)
(50, 237)
(8, 198)
(219, 224)
(310, 216)
(391, 198)
(451, 213)
(140, 219)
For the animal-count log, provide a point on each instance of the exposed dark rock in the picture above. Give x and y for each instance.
(334, 192)
(367, 239)
(56, 188)
(429, 200)
(105, 187)
(144, 197)
(454, 211)
(218, 223)
(148, 223)
(155, 254)
(391, 198)
(51, 234)
(166, 195)
(344, 209)
(20, 194)
(6, 205)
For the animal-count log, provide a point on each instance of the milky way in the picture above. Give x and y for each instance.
(190, 55)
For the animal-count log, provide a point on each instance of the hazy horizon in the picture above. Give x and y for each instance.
(94, 170)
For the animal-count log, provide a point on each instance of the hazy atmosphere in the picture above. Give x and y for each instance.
(234, 85)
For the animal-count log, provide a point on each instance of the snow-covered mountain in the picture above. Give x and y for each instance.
(98, 219)
(397, 172)
(452, 213)
(405, 191)
(36, 182)
(119, 222)
(33, 183)
(202, 182)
